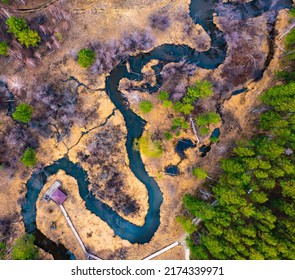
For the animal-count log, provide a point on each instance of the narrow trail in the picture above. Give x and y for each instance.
(34, 9)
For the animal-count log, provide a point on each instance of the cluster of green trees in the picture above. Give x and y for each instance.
(24, 248)
(164, 97)
(201, 89)
(20, 29)
(204, 120)
(254, 216)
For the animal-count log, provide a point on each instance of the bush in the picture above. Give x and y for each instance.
(200, 173)
(29, 158)
(149, 147)
(86, 58)
(168, 135)
(201, 89)
(185, 108)
(29, 38)
(208, 118)
(24, 248)
(167, 103)
(214, 139)
(16, 25)
(204, 130)
(186, 224)
(20, 29)
(179, 123)
(3, 48)
(163, 95)
(23, 113)
(146, 106)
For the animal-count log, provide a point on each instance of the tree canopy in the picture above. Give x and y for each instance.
(204, 120)
(200, 173)
(86, 57)
(29, 158)
(23, 113)
(201, 89)
(148, 146)
(24, 248)
(146, 106)
(20, 29)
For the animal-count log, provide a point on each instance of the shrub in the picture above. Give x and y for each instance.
(200, 173)
(16, 25)
(23, 113)
(146, 106)
(185, 108)
(3, 48)
(29, 38)
(179, 123)
(24, 248)
(167, 103)
(86, 58)
(208, 118)
(149, 147)
(20, 29)
(163, 95)
(29, 158)
(204, 130)
(186, 224)
(214, 139)
(168, 135)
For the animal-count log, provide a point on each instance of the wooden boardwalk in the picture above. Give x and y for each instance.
(162, 251)
(87, 254)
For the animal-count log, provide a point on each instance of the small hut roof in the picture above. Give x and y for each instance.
(58, 197)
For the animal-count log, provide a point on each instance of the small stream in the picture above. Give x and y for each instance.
(10, 98)
(202, 12)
